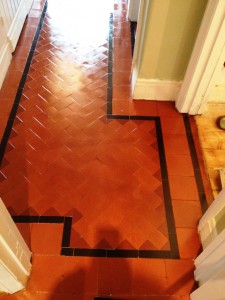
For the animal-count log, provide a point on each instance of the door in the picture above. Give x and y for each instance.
(15, 266)
(210, 264)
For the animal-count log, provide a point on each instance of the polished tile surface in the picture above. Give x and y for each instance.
(115, 168)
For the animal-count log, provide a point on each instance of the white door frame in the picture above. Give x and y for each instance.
(206, 60)
(15, 266)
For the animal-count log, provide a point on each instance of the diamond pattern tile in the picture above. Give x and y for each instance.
(70, 158)
(90, 173)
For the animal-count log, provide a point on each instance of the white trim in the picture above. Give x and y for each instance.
(17, 25)
(138, 47)
(15, 266)
(5, 59)
(149, 89)
(29, 5)
(133, 9)
(205, 60)
(213, 289)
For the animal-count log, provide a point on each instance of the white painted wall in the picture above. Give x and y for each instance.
(168, 30)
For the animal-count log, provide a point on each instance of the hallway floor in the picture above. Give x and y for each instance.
(107, 191)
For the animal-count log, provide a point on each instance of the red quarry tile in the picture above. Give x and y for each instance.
(121, 107)
(121, 78)
(115, 276)
(172, 125)
(186, 297)
(167, 109)
(122, 53)
(143, 108)
(25, 230)
(26, 295)
(121, 31)
(46, 238)
(121, 42)
(176, 144)
(183, 188)
(185, 238)
(122, 65)
(186, 213)
(121, 92)
(47, 273)
(80, 276)
(179, 165)
(149, 277)
(180, 277)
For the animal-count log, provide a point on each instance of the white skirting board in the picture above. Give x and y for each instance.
(17, 25)
(5, 59)
(154, 89)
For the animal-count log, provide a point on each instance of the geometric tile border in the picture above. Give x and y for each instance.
(66, 250)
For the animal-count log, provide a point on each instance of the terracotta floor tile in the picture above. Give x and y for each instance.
(186, 213)
(122, 65)
(46, 238)
(115, 276)
(176, 144)
(121, 107)
(121, 92)
(121, 78)
(179, 281)
(172, 125)
(185, 237)
(25, 230)
(119, 42)
(183, 188)
(143, 108)
(80, 276)
(149, 277)
(122, 53)
(167, 109)
(43, 281)
(186, 297)
(179, 165)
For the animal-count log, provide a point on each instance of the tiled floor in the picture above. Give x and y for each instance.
(106, 191)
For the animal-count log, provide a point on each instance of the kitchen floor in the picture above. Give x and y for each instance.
(107, 191)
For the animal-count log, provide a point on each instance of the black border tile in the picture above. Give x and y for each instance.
(195, 163)
(67, 221)
(122, 253)
(21, 86)
(67, 232)
(26, 219)
(132, 35)
(90, 252)
(67, 251)
(51, 219)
